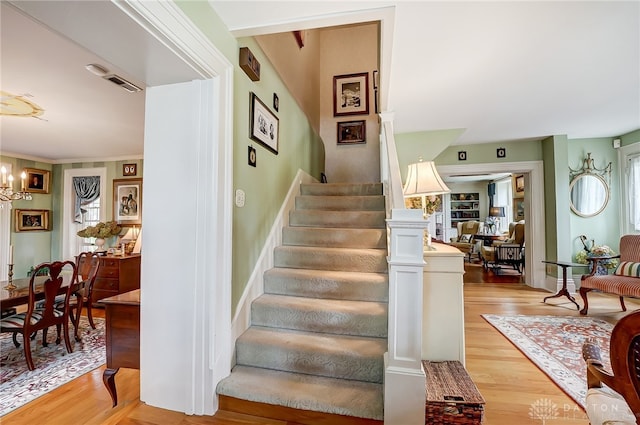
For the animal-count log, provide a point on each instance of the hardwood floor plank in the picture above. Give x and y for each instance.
(508, 381)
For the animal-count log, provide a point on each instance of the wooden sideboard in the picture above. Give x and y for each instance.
(116, 275)
(122, 337)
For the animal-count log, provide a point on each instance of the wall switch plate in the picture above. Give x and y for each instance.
(239, 198)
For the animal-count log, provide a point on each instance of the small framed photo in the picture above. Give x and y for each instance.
(264, 124)
(462, 155)
(29, 220)
(276, 102)
(127, 201)
(352, 132)
(37, 180)
(351, 94)
(501, 152)
(129, 170)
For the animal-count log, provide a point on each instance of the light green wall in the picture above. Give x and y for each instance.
(605, 227)
(425, 144)
(487, 153)
(630, 138)
(34, 247)
(267, 184)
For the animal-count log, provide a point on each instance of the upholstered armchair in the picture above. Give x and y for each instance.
(464, 241)
(625, 280)
(616, 401)
(509, 252)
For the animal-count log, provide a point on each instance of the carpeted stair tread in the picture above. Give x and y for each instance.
(335, 237)
(339, 259)
(340, 203)
(306, 392)
(312, 353)
(348, 219)
(330, 284)
(349, 189)
(342, 317)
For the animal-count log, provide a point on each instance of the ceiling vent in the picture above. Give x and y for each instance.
(128, 86)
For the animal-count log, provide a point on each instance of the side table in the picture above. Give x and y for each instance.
(565, 265)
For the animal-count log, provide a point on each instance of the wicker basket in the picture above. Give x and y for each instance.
(452, 397)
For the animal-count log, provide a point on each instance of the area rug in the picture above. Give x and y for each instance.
(54, 366)
(554, 344)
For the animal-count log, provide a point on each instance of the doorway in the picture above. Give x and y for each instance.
(532, 171)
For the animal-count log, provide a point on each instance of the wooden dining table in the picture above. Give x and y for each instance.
(20, 295)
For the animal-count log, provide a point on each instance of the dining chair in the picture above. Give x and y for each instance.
(35, 318)
(88, 264)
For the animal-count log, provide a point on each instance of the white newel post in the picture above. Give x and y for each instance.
(404, 390)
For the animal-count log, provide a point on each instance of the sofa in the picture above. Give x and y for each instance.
(464, 241)
(625, 280)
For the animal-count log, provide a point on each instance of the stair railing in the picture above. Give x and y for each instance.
(404, 381)
(389, 167)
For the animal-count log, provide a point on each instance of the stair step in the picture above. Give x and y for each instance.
(340, 203)
(359, 318)
(337, 259)
(311, 353)
(335, 237)
(306, 392)
(355, 189)
(355, 286)
(350, 219)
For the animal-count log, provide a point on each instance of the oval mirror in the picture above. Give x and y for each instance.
(589, 194)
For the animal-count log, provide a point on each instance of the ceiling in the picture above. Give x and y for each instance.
(502, 71)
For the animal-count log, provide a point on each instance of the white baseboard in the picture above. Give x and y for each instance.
(255, 286)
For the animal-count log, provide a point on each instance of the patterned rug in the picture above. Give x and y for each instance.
(54, 366)
(554, 344)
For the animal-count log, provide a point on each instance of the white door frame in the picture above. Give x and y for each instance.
(535, 244)
(167, 22)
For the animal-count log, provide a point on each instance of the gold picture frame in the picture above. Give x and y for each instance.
(30, 220)
(38, 181)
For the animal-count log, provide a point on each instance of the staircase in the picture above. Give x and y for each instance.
(318, 333)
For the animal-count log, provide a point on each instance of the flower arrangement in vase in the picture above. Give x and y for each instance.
(101, 231)
(596, 251)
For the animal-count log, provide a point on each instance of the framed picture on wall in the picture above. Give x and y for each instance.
(37, 180)
(127, 201)
(518, 209)
(520, 183)
(264, 127)
(352, 132)
(29, 220)
(351, 94)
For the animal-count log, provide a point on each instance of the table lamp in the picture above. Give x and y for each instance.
(423, 180)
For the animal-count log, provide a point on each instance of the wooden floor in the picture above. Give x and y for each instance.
(508, 381)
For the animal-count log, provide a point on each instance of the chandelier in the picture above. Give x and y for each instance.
(6, 187)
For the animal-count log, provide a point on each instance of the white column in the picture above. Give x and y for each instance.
(404, 392)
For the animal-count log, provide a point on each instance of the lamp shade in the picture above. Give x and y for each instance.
(130, 235)
(423, 179)
(496, 212)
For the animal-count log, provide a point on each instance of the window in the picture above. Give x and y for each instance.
(72, 244)
(633, 179)
(629, 160)
(503, 198)
(90, 218)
